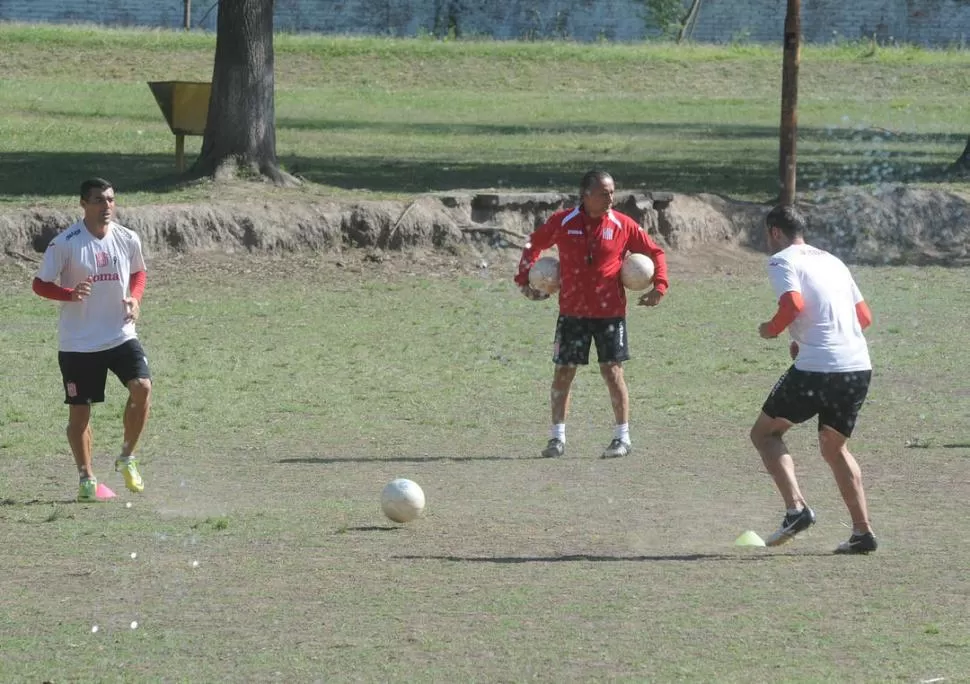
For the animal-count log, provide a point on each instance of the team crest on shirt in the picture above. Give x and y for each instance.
(102, 259)
(607, 233)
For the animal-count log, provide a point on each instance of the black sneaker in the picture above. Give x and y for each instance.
(617, 449)
(790, 526)
(858, 543)
(554, 449)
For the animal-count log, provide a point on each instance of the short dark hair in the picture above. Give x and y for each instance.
(94, 184)
(787, 219)
(591, 178)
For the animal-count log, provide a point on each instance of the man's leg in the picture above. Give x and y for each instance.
(848, 477)
(562, 381)
(80, 438)
(766, 435)
(136, 413)
(135, 418)
(612, 373)
(619, 395)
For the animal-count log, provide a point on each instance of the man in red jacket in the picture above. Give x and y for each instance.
(593, 240)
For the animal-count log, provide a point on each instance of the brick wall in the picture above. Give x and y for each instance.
(923, 22)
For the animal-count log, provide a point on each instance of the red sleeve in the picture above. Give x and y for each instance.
(51, 290)
(542, 238)
(864, 315)
(790, 305)
(136, 284)
(642, 243)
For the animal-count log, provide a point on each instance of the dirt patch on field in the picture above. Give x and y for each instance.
(893, 225)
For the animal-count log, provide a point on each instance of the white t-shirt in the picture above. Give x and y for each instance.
(98, 322)
(827, 330)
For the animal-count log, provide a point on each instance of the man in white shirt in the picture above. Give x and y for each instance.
(97, 270)
(820, 304)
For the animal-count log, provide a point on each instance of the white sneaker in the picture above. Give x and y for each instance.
(617, 449)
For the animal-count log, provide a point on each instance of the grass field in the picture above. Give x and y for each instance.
(395, 117)
(288, 391)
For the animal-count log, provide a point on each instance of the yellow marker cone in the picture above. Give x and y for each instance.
(749, 538)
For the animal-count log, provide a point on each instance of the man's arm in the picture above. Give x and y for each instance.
(53, 291)
(790, 304)
(542, 238)
(642, 243)
(863, 313)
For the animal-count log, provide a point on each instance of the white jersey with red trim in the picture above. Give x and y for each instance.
(827, 330)
(73, 256)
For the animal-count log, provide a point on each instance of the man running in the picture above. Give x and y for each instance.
(820, 304)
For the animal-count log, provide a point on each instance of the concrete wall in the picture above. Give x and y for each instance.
(923, 22)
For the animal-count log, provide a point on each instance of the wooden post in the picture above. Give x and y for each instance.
(187, 16)
(180, 152)
(789, 102)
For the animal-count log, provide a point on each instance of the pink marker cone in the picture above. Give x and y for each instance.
(104, 492)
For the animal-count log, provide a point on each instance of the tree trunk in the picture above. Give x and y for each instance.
(962, 165)
(240, 132)
(687, 24)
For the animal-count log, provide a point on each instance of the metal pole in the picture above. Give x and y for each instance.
(789, 101)
(187, 17)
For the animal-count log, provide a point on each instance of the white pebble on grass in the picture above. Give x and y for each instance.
(134, 555)
(134, 624)
(94, 629)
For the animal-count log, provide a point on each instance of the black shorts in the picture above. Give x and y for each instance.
(573, 337)
(85, 373)
(835, 397)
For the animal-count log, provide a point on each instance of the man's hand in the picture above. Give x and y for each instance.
(532, 293)
(81, 291)
(764, 330)
(793, 350)
(651, 298)
(132, 309)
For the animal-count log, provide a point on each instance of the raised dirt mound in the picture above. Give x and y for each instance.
(893, 225)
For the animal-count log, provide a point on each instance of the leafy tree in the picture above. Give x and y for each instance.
(671, 17)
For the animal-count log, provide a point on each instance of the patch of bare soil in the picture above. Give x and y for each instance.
(469, 230)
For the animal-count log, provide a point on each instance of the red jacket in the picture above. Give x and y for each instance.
(591, 252)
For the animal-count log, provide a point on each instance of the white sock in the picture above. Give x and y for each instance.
(558, 431)
(622, 433)
(795, 511)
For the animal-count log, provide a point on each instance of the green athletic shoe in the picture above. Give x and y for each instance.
(87, 491)
(129, 470)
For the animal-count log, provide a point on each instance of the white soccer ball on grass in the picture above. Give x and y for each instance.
(402, 500)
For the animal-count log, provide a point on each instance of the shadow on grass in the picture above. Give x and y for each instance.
(369, 528)
(591, 558)
(53, 174)
(693, 130)
(37, 502)
(408, 459)
(964, 445)
(729, 166)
